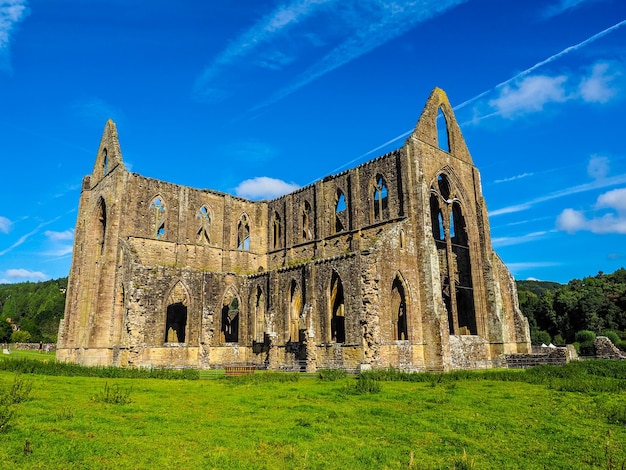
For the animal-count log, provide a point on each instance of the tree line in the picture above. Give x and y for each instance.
(34, 307)
(567, 313)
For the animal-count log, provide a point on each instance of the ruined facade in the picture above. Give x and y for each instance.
(387, 264)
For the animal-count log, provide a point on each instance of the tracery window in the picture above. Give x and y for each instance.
(204, 228)
(341, 212)
(380, 201)
(158, 217)
(243, 234)
(451, 240)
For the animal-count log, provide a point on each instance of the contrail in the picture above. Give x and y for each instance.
(552, 58)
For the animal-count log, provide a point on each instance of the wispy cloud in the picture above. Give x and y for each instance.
(60, 236)
(581, 188)
(509, 241)
(513, 178)
(352, 30)
(5, 224)
(614, 221)
(598, 167)
(263, 187)
(526, 265)
(12, 12)
(560, 7)
(26, 236)
(17, 275)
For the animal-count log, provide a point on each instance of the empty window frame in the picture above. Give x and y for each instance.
(400, 329)
(337, 310)
(243, 234)
(276, 231)
(230, 321)
(158, 211)
(203, 234)
(341, 212)
(380, 204)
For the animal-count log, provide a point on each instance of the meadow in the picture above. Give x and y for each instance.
(556, 418)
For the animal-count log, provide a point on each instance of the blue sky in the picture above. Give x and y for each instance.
(256, 98)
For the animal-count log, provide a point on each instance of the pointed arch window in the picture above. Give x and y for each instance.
(105, 162)
(276, 232)
(204, 226)
(307, 232)
(101, 220)
(443, 136)
(243, 234)
(337, 310)
(451, 240)
(176, 315)
(380, 200)
(230, 320)
(399, 322)
(259, 334)
(158, 211)
(341, 212)
(295, 307)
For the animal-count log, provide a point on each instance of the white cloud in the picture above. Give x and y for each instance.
(530, 94)
(16, 275)
(598, 167)
(614, 221)
(59, 236)
(601, 85)
(263, 187)
(615, 199)
(5, 224)
(12, 12)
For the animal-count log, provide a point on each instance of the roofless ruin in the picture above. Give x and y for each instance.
(387, 264)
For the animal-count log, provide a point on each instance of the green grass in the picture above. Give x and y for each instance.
(496, 419)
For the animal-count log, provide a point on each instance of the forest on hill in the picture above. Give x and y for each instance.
(35, 307)
(556, 312)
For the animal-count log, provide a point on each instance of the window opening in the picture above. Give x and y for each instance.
(105, 163)
(451, 239)
(276, 231)
(443, 137)
(295, 308)
(260, 315)
(102, 219)
(398, 311)
(337, 322)
(204, 217)
(380, 199)
(243, 234)
(230, 321)
(158, 212)
(340, 212)
(307, 233)
(176, 323)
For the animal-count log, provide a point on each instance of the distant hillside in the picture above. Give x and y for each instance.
(35, 307)
(557, 312)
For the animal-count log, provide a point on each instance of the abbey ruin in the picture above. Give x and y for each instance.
(386, 264)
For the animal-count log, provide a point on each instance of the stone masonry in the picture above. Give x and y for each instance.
(387, 264)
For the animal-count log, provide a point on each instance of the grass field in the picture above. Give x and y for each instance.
(260, 422)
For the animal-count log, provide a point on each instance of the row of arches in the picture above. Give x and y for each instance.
(230, 328)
